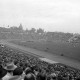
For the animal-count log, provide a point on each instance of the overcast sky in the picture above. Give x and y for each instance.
(51, 15)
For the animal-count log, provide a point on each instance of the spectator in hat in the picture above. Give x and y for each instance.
(18, 71)
(28, 70)
(41, 76)
(53, 76)
(10, 67)
(15, 62)
(30, 76)
(3, 72)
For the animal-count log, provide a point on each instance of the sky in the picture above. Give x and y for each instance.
(51, 15)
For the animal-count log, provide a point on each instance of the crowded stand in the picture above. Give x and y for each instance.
(16, 65)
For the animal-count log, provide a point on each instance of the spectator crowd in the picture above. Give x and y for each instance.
(15, 65)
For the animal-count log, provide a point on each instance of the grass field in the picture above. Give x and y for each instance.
(66, 49)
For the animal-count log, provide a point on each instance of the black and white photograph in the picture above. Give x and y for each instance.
(39, 39)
